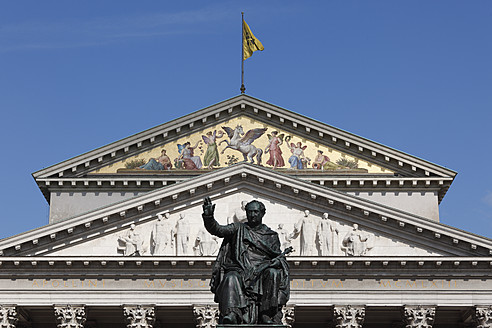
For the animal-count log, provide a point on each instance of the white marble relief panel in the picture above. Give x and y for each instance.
(180, 232)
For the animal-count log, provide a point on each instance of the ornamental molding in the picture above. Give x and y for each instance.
(257, 109)
(144, 208)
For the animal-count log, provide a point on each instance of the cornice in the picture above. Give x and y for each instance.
(380, 267)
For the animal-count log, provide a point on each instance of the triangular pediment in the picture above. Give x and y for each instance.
(254, 112)
(382, 230)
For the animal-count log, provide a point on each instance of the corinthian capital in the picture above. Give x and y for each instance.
(288, 317)
(8, 316)
(139, 316)
(69, 316)
(349, 316)
(482, 316)
(418, 316)
(206, 316)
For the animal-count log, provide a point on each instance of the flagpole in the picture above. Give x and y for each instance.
(242, 54)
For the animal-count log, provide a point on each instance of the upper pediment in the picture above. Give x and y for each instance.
(252, 113)
(381, 231)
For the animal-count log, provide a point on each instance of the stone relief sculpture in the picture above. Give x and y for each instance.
(283, 235)
(349, 316)
(243, 143)
(182, 233)
(327, 235)
(239, 214)
(139, 316)
(306, 228)
(250, 278)
(162, 236)
(133, 243)
(356, 242)
(205, 244)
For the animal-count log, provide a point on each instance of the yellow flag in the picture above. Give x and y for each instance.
(250, 42)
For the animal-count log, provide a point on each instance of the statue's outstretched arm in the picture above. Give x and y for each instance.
(211, 224)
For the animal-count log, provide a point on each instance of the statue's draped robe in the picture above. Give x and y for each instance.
(236, 281)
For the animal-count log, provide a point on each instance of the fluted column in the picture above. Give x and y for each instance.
(70, 316)
(206, 316)
(8, 316)
(418, 316)
(349, 316)
(482, 316)
(288, 315)
(138, 316)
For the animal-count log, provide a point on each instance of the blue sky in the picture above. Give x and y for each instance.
(413, 75)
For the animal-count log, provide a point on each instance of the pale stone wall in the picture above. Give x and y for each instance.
(64, 205)
(424, 204)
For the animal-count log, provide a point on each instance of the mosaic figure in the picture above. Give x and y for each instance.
(273, 147)
(242, 142)
(297, 159)
(211, 157)
(187, 160)
(163, 162)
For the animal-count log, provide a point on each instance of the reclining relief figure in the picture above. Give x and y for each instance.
(250, 278)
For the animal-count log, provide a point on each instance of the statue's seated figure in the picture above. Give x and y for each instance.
(250, 278)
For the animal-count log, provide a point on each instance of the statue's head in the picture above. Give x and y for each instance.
(306, 213)
(325, 216)
(255, 211)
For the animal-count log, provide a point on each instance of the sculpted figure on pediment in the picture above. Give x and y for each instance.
(205, 244)
(239, 214)
(283, 235)
(328, 236)
(182, 232)
(306, 228)
(161, 238)
(133, 243)
(356, 242)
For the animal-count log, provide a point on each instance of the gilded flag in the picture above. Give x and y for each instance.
(250, 42)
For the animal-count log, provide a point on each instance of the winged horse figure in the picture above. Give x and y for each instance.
(242, 142)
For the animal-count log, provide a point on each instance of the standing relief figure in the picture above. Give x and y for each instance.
(306, 228)
(161, 238)
(356, 242)
(182, 233)
(239, 214)
(327, 233)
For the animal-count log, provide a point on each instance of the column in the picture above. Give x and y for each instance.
(139, 316)
(349, 316)
(8, 316)
(482, 316)
(206, 316)
(418, 316)
(70, 316)
(288, 317)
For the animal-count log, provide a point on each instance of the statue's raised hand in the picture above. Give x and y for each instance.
(208, 207)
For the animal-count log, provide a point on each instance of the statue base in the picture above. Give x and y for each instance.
(259, 325)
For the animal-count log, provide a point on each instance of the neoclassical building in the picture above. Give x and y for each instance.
(125, 244)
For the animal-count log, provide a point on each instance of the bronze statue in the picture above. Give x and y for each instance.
(250, 278)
